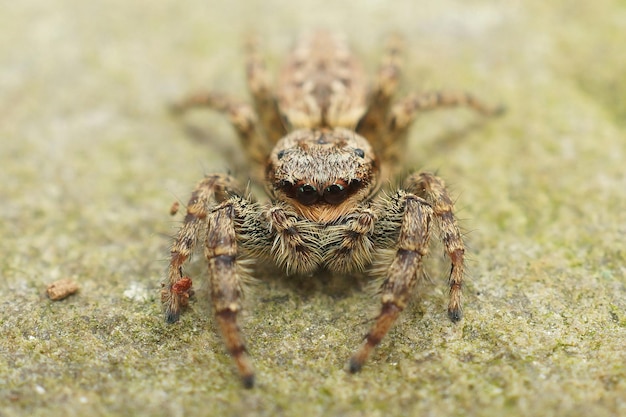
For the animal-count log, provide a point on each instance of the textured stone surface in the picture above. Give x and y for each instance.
(90, 163)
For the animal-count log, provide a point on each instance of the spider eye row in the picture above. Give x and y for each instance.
(307, 194)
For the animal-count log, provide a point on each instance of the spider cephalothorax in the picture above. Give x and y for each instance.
(323, 173)
(323, 143)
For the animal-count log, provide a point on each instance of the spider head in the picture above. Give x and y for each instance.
(323, 174)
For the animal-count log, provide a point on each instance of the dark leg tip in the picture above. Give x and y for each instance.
(171, 317)
(354, 366)
(248, 381)
(455, 315)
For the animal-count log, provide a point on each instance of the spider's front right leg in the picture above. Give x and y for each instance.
(216, 221)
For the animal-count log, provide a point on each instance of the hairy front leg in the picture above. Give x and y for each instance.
(215, 208)
(208, 193)
(405, 268)
(221, 251)
(433, 190)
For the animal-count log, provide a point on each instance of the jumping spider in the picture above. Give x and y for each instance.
(324, 144)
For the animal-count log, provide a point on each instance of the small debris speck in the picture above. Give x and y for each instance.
(61, 289)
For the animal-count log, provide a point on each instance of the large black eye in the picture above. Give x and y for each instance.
(335, 193)
(307, 194)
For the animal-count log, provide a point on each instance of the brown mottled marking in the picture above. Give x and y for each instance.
(322, 84)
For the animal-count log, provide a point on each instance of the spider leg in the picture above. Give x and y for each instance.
(226, 285)
(403, 113)
(404, 270)
(210, 191)
(372, 125)
(215, 206)
(242, 116)
(260, 88)
(433, 190)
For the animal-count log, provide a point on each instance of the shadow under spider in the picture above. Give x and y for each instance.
(336, 286)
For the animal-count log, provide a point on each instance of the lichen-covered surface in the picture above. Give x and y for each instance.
(90, 162)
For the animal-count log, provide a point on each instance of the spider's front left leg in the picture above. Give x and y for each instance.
(216, 221)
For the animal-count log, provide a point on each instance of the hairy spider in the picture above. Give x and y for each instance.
(324, 143)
